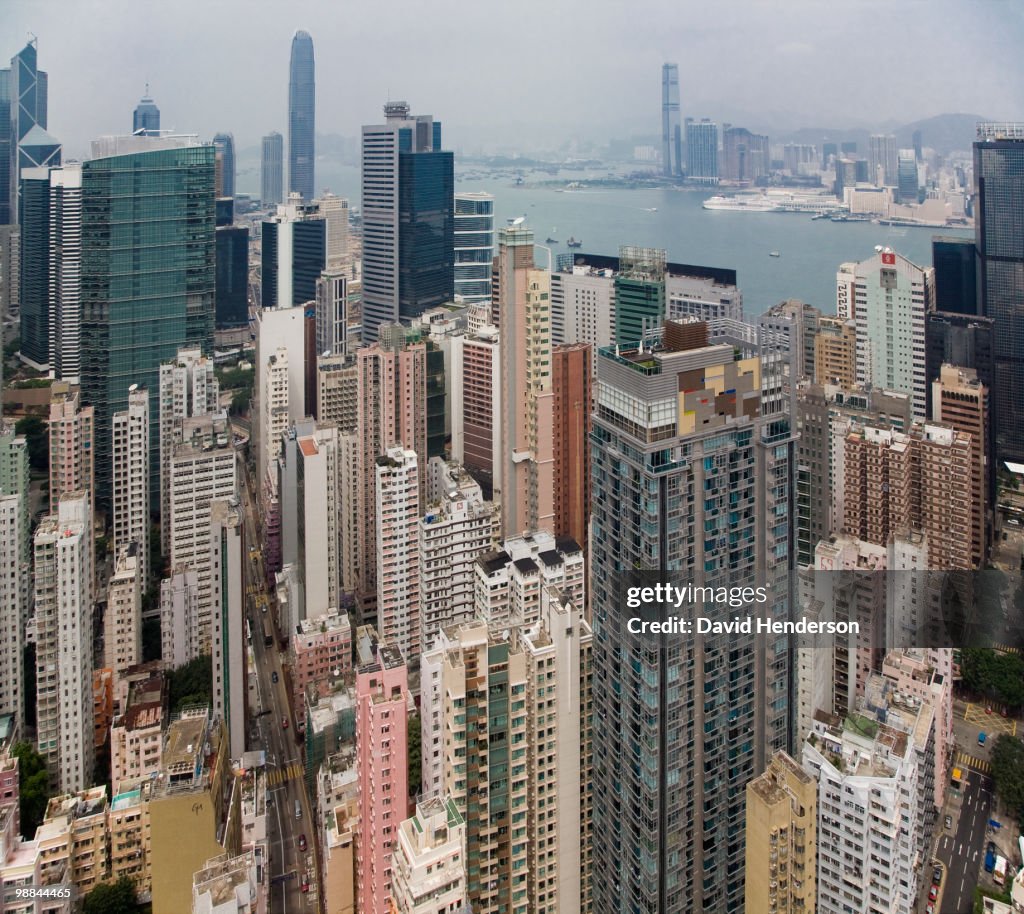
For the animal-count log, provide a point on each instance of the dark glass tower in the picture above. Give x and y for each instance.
(34, 219)
(999, 237)
(148, 277)
(301, 117)
(146, 117)
(225, 145)
(671, 131)
(272, 169)
(232, 276)
(956, 283)
(23, 103)
(408, 219)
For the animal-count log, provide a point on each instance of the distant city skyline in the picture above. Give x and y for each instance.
(781, 73)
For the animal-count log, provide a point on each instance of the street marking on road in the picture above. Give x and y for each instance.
(280, 775)
(969, 761)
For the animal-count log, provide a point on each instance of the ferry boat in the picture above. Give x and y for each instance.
(743, 203)
(774, 254)
(573, 243)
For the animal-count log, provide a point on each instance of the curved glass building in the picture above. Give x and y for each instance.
(301, 116)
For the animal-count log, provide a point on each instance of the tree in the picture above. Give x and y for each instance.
(995, 675)
(1008, 771)
(112, 898)
(33, 787)
(191, 684)
(415, 744)
(37, 437)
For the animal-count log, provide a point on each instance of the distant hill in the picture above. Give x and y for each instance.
(945, 133)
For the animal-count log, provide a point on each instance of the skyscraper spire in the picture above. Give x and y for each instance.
(301, 116)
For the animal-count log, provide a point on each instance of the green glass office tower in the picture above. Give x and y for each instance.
(147, 277)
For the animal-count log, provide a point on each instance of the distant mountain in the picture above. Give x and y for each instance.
(945, 133)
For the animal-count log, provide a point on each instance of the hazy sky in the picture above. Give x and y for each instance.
(538, 70)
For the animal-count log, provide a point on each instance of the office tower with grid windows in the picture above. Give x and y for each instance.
(302, 117)
(272, 169)
(671, 132)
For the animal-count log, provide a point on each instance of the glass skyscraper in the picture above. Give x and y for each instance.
(146, 117)
(690, 485)
(272, 169)
(301, 117)
(702, 151)
(225, 145)
(474, 246)
(147, 274)
(999, 236)
(408, 219)
(23, 104)
(671, 134)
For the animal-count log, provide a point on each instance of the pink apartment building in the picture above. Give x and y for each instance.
(321, 654)
(383, 703)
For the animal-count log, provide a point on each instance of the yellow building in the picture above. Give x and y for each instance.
(130, 851)
(194, 809)
(835, 352)
(781, 840)
(73, 838)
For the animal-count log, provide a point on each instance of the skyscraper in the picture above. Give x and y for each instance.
(147, 201)
(690, 476)
(999, 179)
(146, 116)
(956, 272)
(671, 134)
(130, 488)
(301, 117)
(408, 219)
(294, 254)
(15, 544)
(906, 176)
(474, 246)
(521, 292)
(702, 151)
(224, 143)
(272, 169)
(746, 155)
(882, 159)
(23, 104)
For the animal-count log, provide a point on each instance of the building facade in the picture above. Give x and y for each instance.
(302, 117)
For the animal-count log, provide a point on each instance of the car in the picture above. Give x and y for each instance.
(930, 909)
(274, 676)
(284, 723)
(948, 822)
(933, 893)
(937, 875)
(302, 842)
(305, 885)
(991, 849)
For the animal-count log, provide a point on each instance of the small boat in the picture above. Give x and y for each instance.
(774, 254)
(573, 243)
(551, 241)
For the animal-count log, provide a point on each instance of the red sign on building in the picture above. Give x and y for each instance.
(889, 259)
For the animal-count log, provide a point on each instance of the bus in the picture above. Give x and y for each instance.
(268, 633)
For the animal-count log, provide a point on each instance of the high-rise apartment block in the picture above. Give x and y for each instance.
(572, 384)
(63, 578)
(781, 837)
(227, 620)
(202, 469)
(188, 389)
(891, 296)
(835, 352)
(131, 503)
(926, 481)
(882, 159)
(408, 219)
(474, 246)
(15, 547)
(690, 473)
(671, 132)
(397, 509)
(429, 862)
(136, 734)
(332, 314)
(522, 296)
(321, 650)
(702, 151)
(508, 711)
(302, 117)
(475, 405)
(72, 444)
(383, 704)
(960, 400)
(746, 156)
(179, 616)
(122, 637)
(272, 169)
(998, 163)
(456, 526)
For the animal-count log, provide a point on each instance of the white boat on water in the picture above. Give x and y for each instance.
(775, 201)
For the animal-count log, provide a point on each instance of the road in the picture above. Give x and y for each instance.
(289, 867)
(963, 849)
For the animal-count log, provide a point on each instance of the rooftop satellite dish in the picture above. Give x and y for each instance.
(519, 220)
(878, 249)
(133, 388)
